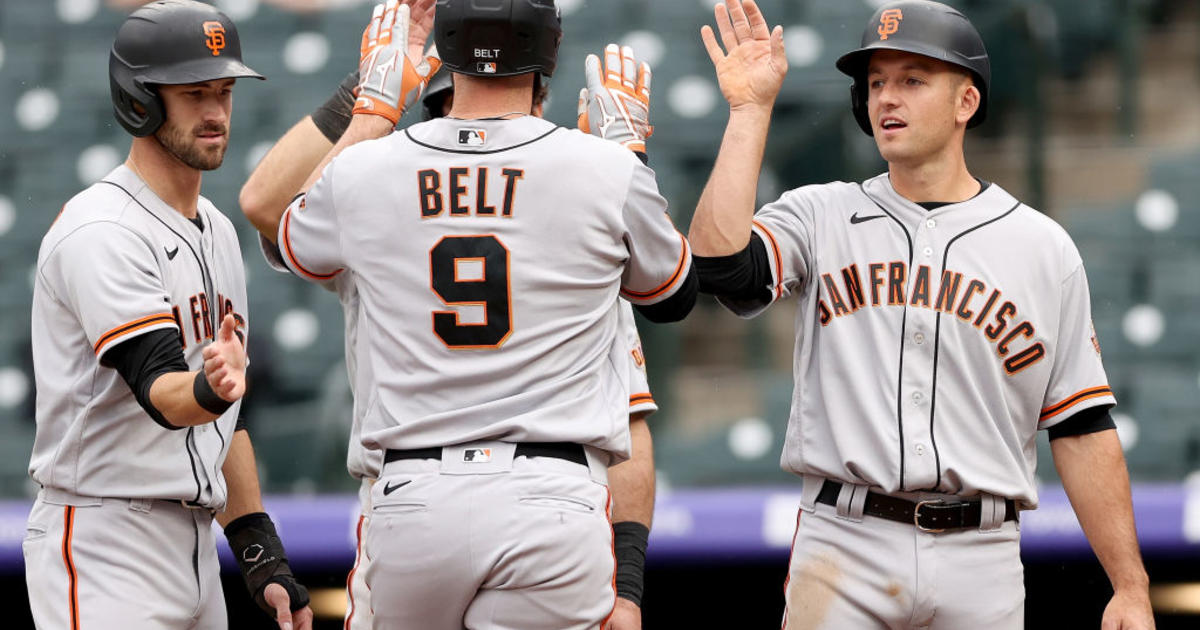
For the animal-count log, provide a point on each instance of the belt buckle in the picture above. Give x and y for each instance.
(917, 516)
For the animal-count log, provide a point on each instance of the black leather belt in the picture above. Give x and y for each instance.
(935, 515)
(569, 451)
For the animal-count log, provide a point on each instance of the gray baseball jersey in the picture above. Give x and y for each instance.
(118, 262)
(931, 345)
(442, 254)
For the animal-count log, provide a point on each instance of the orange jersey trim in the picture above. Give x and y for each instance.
(350, 577)
(1072, 400)
(670, 283)
(641, 399)
(137, 324)
(778, 257)
(613, 548)
(69, 562)
(287, 249)
(787, 579)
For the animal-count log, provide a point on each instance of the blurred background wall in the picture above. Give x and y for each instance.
(1095, 121)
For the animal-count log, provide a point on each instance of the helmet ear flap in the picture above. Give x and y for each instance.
(858, 105)
(129, 96)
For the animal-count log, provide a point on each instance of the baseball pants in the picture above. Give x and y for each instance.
(850, 571)
(115, 564)
(512, 543)
(358, 596)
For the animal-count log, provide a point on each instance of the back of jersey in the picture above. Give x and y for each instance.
(489, 256)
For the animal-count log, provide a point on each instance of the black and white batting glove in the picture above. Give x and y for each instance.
(261, 558)
(615, 105)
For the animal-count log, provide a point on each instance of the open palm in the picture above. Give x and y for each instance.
(752, 64)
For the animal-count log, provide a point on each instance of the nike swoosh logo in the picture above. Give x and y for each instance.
(171, 252)
(855, 219)
(389, 488)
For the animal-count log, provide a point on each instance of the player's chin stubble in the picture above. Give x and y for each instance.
(183, 145)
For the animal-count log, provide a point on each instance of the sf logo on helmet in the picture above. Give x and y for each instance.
(214, 33)
(889, 22)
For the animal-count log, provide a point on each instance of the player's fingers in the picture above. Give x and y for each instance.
(741, 24)
(302, 618)
(710, 44)
(725, 27)
(758, 23)
(592, 74)
(388, 23)
(778, 51)
(628, 68)
(276, 596)
(643, 81)
(373, 27)
(612, 64)
(581, 111)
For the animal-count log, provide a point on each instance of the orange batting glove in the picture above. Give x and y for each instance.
(388, 81)
(615, 105)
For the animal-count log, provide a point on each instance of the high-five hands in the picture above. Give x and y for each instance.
(392, 69)
(753, 63)
(225, 362)
(615, 105)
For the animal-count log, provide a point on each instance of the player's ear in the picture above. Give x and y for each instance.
(968, 101)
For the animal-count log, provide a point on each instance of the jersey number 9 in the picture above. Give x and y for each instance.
(472, 271)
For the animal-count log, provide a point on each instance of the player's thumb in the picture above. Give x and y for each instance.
(778, 52)
(228, 325)
(276, 597)
(581, 111)
(593, 74)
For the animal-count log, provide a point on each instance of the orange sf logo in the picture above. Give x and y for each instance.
(214, 37)
(889, 22)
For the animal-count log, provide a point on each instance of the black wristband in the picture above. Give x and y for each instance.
(333, 117)
(260, 556)
(629, 545)
(206, 397)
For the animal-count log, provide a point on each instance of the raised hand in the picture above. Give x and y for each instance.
(615, 105)
(389, 78)
(752, 65)
(225, 362)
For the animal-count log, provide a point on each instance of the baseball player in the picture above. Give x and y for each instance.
(139, 325)
(632, 482)
(500, 414)
(940, 324)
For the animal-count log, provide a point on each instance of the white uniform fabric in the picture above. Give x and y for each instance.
(931, 345)
(565, 217)
(117, 564)
(117, 263)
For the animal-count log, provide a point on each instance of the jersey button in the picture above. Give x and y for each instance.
(928, 252)
(920, 449)
(919, 338)
(917, 397)
(931, 223)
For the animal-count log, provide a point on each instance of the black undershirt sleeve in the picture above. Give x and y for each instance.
(144, 358)
(745, 275)
(1090, 420)
(676, 307)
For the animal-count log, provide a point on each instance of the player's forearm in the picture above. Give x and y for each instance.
(632, 482)
(1092, 468)
(173, 395)
(362, 127)
(241, 477)
(281, 173)
(721, 225)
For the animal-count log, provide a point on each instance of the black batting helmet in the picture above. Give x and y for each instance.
(925, 28)
(169, 42)
(498, 38)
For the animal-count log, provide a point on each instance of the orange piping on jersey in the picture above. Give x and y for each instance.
(670, 283)
(613, 549)
(287, 248)
(1077, 397)
(778, 257)
(69, 562)
(788, 578)
(358, 550)
(641, 399)
(137, 324)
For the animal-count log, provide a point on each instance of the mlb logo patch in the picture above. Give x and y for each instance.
(486, 67)
(472, 137)
(477, 455)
